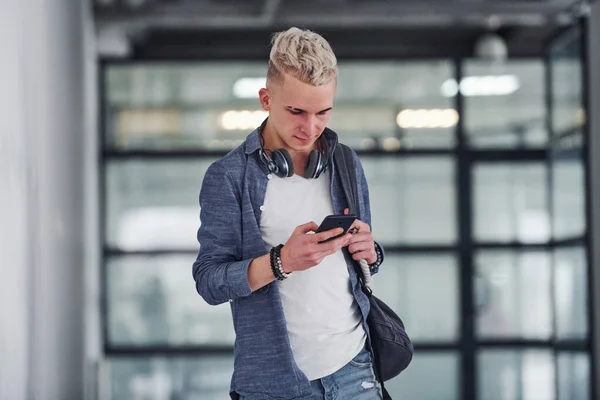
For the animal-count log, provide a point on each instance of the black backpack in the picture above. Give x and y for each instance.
(392, 348)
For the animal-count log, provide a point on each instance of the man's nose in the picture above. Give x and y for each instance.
(309, 124)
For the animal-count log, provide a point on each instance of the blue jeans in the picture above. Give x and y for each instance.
(354, 381)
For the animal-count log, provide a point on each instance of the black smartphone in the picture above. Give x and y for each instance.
(336, 221)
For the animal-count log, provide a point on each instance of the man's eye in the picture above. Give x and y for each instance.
(296, 112)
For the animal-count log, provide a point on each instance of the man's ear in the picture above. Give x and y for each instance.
(265, 99)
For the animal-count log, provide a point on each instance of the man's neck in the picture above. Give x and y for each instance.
(272, 141)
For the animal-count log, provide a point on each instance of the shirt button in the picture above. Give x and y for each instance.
(262, 208)
(269, 176)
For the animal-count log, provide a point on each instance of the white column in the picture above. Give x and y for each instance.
(593, 36)
(41, 200)
(15, 267)
(92, 297)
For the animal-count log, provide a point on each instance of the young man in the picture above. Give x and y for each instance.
(298, 311)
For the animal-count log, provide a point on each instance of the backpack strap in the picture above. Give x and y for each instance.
(344, 160)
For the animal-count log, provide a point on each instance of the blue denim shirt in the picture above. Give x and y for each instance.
(231, 197)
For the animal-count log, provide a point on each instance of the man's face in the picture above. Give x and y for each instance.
(298, 112)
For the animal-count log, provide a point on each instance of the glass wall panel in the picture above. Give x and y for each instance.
(424, 291)
(568, 114)
(421, 115)
(204, 377)
(208, 378)
(570, 288)
(430, 376)
(573, 376)
(168, 106)
(516, 375)
(513, 295)
(511, 202)
(568, 197)
(214, 105)
(505, 104)
(413, 200)
(152, 300)
(153, 204)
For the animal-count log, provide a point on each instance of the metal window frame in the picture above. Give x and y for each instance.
(589, 252)
(468, 346)
(580, 154)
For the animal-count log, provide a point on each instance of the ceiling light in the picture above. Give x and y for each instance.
(368, 144)
(581, 117)
(490, 85)
(158, 122)
(247, 88)
(242, 119)
(429, 119)
(391, 144)
(450, 88)
(491, 46)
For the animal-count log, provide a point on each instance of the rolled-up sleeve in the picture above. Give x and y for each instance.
(220, 273)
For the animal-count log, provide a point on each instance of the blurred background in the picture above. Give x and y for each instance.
(477, 125)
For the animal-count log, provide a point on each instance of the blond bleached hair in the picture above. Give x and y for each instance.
(302, 54)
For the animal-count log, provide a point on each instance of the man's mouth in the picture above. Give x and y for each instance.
(301, 139)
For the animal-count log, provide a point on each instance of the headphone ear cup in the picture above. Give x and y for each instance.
(284, 163)
(312, 169)
(266, 160)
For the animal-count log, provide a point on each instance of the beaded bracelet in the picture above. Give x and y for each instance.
(379, 260)
(276, 267)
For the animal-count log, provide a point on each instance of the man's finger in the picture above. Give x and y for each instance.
(334, 245)
(361, 226)
(359, 246)
(341, 241)
(346, 211)
(307, 227)
(322, 236)
(360, 255)
(361, 237)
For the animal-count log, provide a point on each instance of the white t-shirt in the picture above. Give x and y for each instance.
(324, 322)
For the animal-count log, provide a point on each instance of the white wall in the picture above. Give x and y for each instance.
(41, 200)
(594, 119)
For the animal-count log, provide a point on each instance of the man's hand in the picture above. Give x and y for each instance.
(303, 250)
(361, 244)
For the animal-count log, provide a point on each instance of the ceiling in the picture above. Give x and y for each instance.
(356, 28)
